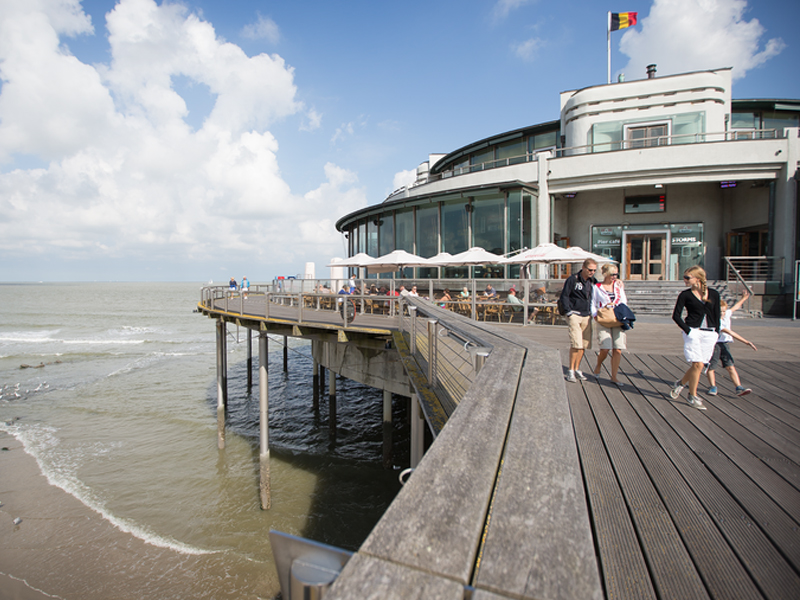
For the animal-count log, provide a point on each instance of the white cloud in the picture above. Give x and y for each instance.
(312, 122)
(692, 35)
(343, 131)
(504, 7)
(404, 178)
(263, 29)
(529, 49)
(126, 176)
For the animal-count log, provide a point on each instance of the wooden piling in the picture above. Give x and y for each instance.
(263, 405)
(222, 383)
(249, 360)
(332, 404)
(387, 429)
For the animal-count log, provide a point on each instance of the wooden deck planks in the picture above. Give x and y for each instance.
(730, 495)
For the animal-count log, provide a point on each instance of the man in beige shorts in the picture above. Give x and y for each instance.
(576, 298)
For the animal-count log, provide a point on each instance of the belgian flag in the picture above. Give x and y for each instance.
(622, 20)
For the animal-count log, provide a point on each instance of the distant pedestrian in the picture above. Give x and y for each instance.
(232, 287)
(700, 330)
(609, 292)
(245, 287)
(576, 299)
(722, 352)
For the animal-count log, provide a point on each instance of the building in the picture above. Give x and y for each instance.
(659, 174)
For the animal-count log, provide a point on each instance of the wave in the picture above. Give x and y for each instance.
(37, 440)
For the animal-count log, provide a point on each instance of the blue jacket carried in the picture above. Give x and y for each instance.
(625, 316)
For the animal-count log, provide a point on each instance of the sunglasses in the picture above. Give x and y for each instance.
(591, 270)
(614, 274)
(687, 277)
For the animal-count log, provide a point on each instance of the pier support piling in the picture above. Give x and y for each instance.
(285, 354)
(321, 385)
(263, 407)
(332, 404)
(222, 382)
(387, 429)
(249, 360)
(315, 387)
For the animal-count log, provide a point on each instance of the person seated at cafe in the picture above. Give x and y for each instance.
(538, 296)
(373, 290)
(464, 293)
(445, 299)
(516, 303)
(490, 292)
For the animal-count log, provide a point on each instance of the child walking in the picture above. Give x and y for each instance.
(721, 351)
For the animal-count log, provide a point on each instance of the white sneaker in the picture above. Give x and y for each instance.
(696, 402)
(571, 377)
(677, 388)
(580, 375)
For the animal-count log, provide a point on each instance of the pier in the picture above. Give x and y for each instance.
(536, 488)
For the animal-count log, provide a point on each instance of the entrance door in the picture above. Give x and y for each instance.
(647, 256)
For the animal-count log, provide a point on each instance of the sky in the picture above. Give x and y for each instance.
(145, 140)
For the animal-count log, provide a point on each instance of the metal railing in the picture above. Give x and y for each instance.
(601, 147)
(537, 299)
(755, 268)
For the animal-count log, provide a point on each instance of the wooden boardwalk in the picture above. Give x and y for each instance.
(681, 503)
(687, 503)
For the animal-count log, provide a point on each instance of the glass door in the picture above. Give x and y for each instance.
(646, 254)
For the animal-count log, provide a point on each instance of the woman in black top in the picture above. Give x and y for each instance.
(700, 330)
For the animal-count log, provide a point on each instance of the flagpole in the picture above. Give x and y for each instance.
(608, 43)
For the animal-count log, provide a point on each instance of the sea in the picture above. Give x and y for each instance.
(111, 387)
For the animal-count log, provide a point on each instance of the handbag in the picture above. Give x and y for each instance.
(607, 318)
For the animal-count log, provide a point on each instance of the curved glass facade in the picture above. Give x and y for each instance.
(499, 221)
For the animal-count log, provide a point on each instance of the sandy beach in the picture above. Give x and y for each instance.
(62, 549)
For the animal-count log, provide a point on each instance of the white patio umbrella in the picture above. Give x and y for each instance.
(545, 253)
(584, 254)
(474, 256)
(442, 259)
(396, 261)
(357, 260)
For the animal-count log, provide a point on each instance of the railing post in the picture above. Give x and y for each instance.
(412, 311)
(432, 343)
(480, 358)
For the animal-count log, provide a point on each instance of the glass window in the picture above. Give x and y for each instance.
(606, 136)
(643, 136)
(488, 217)
(687, 247)
(778, 121)
(515, 220)
(404, 234)
(607, 241)
(511, 153)
(742, 120)
(386, 234)
(428, 236)
(645, 204)
(372, 236)
(455, 234)
(687, 128)
(482, 160)
(362, 236)
(543, 140)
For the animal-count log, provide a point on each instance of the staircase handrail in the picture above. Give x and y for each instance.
(731, 267)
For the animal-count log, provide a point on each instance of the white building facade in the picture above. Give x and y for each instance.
(659, 174)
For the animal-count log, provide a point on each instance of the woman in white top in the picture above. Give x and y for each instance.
(609, 292)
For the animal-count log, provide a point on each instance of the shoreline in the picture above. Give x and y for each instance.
(64, 549)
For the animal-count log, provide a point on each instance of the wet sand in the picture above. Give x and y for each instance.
(62, 549)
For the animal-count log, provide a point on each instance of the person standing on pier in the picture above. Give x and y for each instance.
(700, 330)
(609, 292)
(721, 351)
(576, 299)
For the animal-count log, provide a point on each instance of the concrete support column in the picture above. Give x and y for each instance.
(222, 382)
(387, 429)
(786, 198)
(263, 407)
(544, 231)
(285, 354)
(321, 385)
(417, 432)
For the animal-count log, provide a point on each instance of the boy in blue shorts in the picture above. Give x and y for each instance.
(723, 354)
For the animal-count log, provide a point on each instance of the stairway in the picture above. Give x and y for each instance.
(658, 297)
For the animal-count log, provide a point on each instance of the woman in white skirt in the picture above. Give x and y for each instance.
(609, 292)
(700, 330)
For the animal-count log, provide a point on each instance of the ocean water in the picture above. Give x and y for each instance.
(122, 416)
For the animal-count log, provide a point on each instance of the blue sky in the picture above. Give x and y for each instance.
(199, 140)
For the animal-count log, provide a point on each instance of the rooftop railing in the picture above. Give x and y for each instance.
(601, 147)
